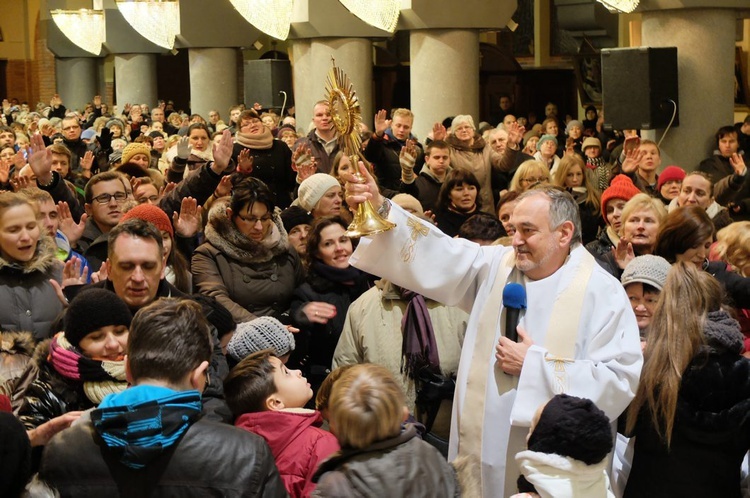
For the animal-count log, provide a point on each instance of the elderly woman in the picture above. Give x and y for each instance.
(78, 367)
(546, 152)
(469, 151)
(321, 195)
(269, 160)
(642, 217)
(247, 263)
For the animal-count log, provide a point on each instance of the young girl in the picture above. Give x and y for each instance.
(572, 176)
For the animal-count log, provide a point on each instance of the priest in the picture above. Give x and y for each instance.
(578, 335)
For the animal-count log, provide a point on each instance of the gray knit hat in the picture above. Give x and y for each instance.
(544, 138)
(646, 269)
(262, 333)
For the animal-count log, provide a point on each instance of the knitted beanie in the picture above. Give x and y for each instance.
(285, 129)
(646, 269)
(115, 122)
(621, 187)
(669, 174)
(135, 148)
(91, 310)
(572, 427)
(153, 214)
(544, 138)
(571, 124)
(409, 203)
(262, 333)
(591, 142)
(293, 216)
(463, 119)
(314, 188)
(88, 134)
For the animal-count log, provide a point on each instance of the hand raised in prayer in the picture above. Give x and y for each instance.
(222, 153)
(510, 355)
(87, 161)
(72, 230)
(439, 132)
(623, 253)
(183, 148)
(515, 132)
(4, 171)
(20, 182)
(188, 221)
(381, 122)
(40, 160)
(632, 159)
(738, 164)
(167, 188)
(245, 162)
(224, 188)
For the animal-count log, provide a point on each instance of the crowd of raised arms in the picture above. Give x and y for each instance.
(180, 315)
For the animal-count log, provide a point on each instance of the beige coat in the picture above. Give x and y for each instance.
(372, 334)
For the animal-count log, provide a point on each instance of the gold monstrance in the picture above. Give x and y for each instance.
(347, 116)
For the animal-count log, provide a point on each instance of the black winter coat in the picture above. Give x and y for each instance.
(274, 168)
(320, 340)
(710, 437)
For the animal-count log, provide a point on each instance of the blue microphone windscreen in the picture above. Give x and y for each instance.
(514, 296)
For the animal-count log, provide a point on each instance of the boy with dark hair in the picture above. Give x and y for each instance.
(268, 399)
(150, 438)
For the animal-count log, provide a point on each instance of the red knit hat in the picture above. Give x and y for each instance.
(669, 174)
(152, 214)
(621, 187)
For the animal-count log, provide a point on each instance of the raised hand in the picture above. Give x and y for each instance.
(97, 100)
(40, 160)
(167, 189)
(101, 275)
(87, 161)
(301, 156)
(623, 253)
(633, 158)
(224, 188)
(183, 148)
(439, 132)
(738, 164)
(72, 230)
(407, 157)
(381, 122)
(19, 160)
(188, 221)
(74, 273)
(515, 132)
(245, 162)
(222, 153)
(20, 182)
(4, 171)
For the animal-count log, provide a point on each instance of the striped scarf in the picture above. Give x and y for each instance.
(99, 377)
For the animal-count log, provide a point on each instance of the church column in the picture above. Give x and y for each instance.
(354, 57)
(213, 80)
(444, 76)
(705, 51)
(304, 94)
(76, 80)
(135, 79)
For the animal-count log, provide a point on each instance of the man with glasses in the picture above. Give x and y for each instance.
(104, 195)
(101, 148)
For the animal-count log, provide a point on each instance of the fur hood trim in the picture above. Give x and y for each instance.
(223, 235)
(17, 343)
(43, 260)
(41, 352)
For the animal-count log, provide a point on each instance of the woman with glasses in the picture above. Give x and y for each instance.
(259, 155)
(247, 263)
(528, 174)
(27, 263)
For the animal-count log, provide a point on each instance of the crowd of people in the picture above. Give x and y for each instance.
(184, 310)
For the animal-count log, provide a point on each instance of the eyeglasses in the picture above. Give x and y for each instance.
(105, 198)
(250, 121)
(534, 180)
(150, 198)
(253, 220)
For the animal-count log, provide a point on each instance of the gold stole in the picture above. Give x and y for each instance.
(560, 341)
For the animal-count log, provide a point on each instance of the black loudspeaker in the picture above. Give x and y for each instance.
(265, 79)
(639, 87)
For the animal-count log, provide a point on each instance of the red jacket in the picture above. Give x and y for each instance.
(297, 443)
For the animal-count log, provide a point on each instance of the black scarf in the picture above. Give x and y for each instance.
(346, 276)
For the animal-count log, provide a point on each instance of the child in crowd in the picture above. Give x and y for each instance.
(265, 332)
(568, 442)
(324, 392)
(268, 399)
(378, 456)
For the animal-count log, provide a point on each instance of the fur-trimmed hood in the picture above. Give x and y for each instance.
(41, 352)
(222, 233)
(17, 343)
(43, 260)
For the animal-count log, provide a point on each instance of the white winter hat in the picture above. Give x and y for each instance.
(314, 188)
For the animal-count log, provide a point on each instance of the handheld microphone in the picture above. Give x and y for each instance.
(514, 300)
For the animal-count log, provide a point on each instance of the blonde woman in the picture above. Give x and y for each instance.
(572, 175)
(528, 174)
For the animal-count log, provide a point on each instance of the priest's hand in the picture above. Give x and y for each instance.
(510, 355)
